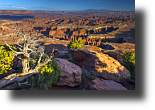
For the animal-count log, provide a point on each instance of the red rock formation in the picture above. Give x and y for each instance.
(52, 32)
(48, 23)
(105, 66)
(76, 33)
(70, 73)
(83, 31)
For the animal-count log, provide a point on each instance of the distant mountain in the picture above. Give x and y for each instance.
(105, 10)
(96, 10)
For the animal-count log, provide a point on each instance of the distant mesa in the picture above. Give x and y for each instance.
(92, 26)
(15, 17)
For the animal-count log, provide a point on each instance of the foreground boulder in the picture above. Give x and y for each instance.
(105, 67)
(70, 73)
(114, 55)
(101, 84)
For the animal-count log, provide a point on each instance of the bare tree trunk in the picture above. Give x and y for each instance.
(30, 47)
(16, 77)
(25, 65)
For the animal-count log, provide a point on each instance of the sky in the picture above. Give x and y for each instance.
(68, 5)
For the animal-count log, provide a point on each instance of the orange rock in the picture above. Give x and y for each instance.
(105, 66)
(52, 32)
(48, 43)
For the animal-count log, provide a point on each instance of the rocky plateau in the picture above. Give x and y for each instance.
(107, 36)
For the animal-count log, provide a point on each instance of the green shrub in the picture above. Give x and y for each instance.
(6, 58)
(129, 63)
(34, 59)
(71, 60)
(48, 75)
(75, 44)
(81, 42)
(88, 75)
(67, 55)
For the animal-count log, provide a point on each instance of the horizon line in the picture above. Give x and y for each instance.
(75, 10)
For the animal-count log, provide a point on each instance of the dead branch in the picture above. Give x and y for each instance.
(28, 49)
(13, 50)
(15, 77)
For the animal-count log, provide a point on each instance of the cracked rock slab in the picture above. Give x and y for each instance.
(70, 73)
(101, 84)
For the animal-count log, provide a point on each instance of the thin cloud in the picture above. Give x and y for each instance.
(12, 6)
(17, 7)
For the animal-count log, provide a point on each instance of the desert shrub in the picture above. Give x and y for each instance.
(81, 42)
(71, 60)
(67, 55)
(6, 58)
(48, 75)
(35, 57)
(75, 44)
(129, 63)
(88, 75)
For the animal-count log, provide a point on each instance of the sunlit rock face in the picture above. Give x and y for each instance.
(106, 67)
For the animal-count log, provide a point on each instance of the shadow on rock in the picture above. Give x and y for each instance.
(106, 47)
